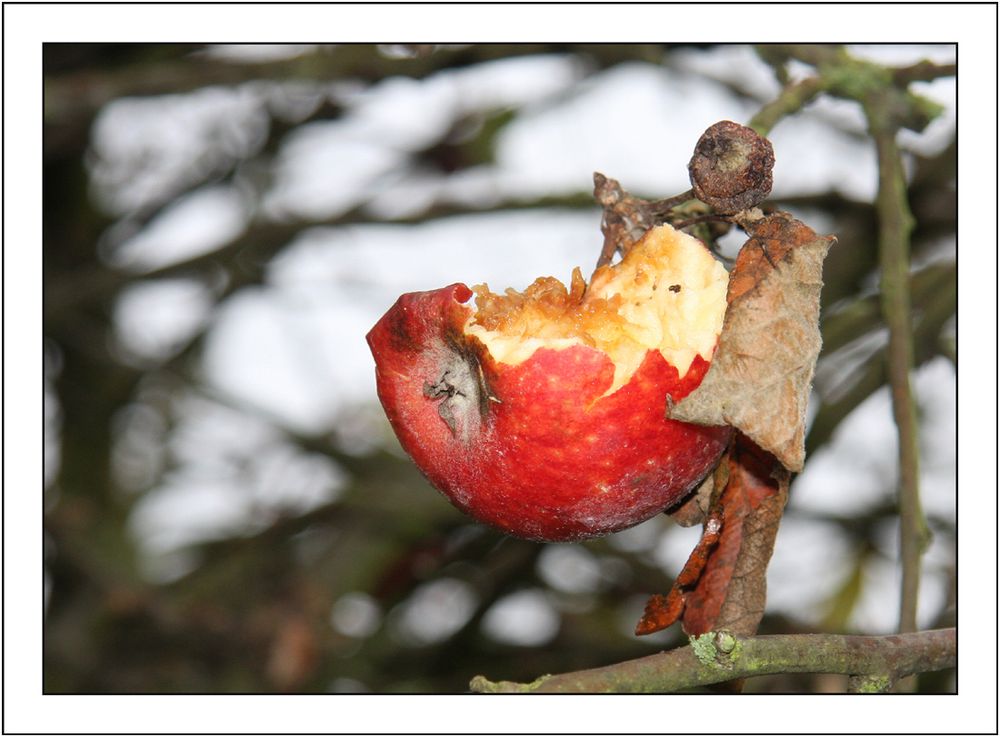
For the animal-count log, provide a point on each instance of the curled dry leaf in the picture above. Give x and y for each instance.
(732, 589)
(762, 370)
(703, 506)
(723, 584)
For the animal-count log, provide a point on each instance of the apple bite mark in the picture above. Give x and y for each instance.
(667, 294)
(543, 413)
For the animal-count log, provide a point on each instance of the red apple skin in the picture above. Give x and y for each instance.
(534, 449)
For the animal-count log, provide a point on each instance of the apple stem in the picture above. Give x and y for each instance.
(627, 218)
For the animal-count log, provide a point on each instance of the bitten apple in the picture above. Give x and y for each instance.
(543, 413)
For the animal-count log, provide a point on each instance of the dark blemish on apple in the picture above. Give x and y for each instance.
(462, 392)
(675, 288)
(446, 391)
(443, 388)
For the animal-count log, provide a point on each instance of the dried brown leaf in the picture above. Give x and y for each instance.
(731, 591)
(763, 367)
(701, 507)
(723, 584)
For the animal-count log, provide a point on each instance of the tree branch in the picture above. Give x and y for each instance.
(873, 662)
(73, 97)
(258, 242)
(923, 71)
(793, 98)
(895, 225)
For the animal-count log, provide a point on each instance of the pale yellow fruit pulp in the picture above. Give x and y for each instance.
(668, 293)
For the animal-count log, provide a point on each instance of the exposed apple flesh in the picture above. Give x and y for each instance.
(543, 412)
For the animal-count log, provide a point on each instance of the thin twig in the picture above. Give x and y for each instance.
(793, 98)
(875, 663)
(923, 71)
(895, 224)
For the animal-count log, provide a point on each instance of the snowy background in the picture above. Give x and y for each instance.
(235, 374)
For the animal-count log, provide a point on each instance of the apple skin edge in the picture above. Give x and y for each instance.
(534, 449)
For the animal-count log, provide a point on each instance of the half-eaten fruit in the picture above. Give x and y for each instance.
(543, 413)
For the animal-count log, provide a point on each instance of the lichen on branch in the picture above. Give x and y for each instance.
(873, 663)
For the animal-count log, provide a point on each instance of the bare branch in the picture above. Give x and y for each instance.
(793, 98)
(895, 224)
(923, 71)
(718, 657)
